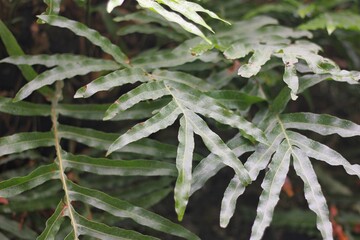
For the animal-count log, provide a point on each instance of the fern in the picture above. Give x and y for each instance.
(164, 94)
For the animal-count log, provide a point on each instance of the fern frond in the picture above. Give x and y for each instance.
(93, 36)
(124, 209)
(17, 185)
(184, 166)
(63, 72)
(272, 184)
(24, 141)
(313, 193)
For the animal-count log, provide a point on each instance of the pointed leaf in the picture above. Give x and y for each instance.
(321, 123)
(63, 72)
(322, 152)
(272, 184)
(151, 90)
(97, 111)
(262, 155)
(17, 185)
(189, 10)
(124, 209)
(102, 231)
(164, 118)
(113, 79)
(212, 164)
(209, 107)
(53, 223)
(20, 142)
(228, 203)
(23, 108)
(184, 166)
(102, 140)
(80, 111)
(214, 143)
(90, 34)
(104, 166)
(172, 17)
(313, 193)
(52, 60)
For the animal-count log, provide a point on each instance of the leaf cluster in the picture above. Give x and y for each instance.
(168, 94)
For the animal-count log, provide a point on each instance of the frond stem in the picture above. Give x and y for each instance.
(54, 117)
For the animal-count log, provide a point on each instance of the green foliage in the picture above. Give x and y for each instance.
(186, 89)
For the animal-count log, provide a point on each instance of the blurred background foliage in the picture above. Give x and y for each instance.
(336, 27)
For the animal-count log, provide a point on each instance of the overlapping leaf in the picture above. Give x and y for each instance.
(273, 40)
(124, 209)
(285, 143)
(332, 21)
(185, 8)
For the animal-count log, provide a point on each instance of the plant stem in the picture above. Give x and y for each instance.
(54, 104)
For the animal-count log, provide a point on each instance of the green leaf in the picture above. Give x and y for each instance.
(63, 72)
(209, 107)
(52, 60)
(228, 203)
(184, 166)
(313, 193)
(102, 231)
(80, 111)
(234, 99)
(124, 209)
(23, 108)
(17, 185)
(322, 152)
(90, 34)
(20, 142)
(260, 56)
(290, 77)
(214, 143)
(104, 166)
(189, 10)
(212, 164)
(272, 184)
(97, 111)
(13, 48)
(172, 17)
(151, 90)
(262, 155)
(164, 118)
(321, 123)
(332, 21)
(102, 140)
(12, 227)
(113, 4)
(113, 79)
(53, 223)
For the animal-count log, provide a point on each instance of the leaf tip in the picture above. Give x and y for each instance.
(81, 92)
